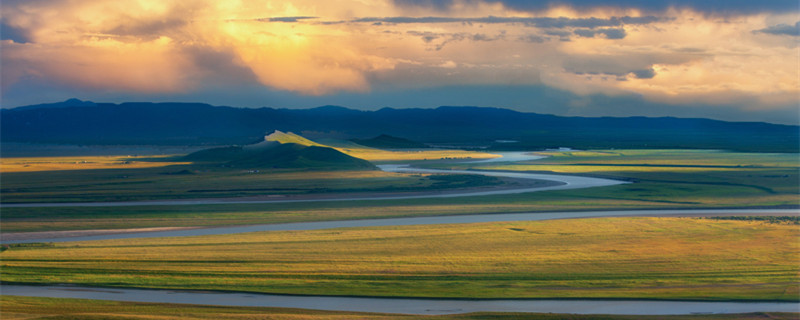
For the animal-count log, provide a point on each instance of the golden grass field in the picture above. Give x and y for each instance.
(33, 164)
(657, 160)
(378, 155)
(659, 258)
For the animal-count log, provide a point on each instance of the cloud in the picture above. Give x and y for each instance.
(783, 29)
(426, 36)
(610, 33)
(106, 64)
(532, 38)
(434, 4)
(320, 49)
(286, 19)
(18, 35)
(430, 37)
(617, 33)
(736, 7)
(539, 22)
(639, 65)
(147, 29)
(158, 46)
(644, 73)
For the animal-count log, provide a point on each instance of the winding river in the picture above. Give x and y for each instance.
(406, 306)
(561, 182)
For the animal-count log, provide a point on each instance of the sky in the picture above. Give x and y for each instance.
(736, 60)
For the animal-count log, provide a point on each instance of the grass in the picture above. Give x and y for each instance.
(126, 178)
(19, 308)
(686, 179)
(644, 194)
(290, 137)
(380, 155)
(186, 181)
(656, 258)
(37, 164)
(377, 155)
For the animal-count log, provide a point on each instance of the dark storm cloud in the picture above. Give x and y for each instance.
(644, 74)
(540, 22)
(609, 33)
(532, 38)
(706, 6)
(783, 29)
(560, 33)
(439, 5)
(286, 19)
(426, 36)
(613, 33)
(430, 37)
(619, 67)
(17, 35)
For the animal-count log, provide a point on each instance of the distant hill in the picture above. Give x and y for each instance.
(79, 122)
(284, 155)
(385, 141)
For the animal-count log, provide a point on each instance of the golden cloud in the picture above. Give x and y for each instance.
(318, 48)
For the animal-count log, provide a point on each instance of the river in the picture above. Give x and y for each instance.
(476, 218)
(562, 182)
(405, 306)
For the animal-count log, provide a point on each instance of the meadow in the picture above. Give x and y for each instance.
(662, 179)
(19, 308)
(634, 258)
(88, 179)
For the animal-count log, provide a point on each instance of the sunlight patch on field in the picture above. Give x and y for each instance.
(667, 258)
(673, 157)
(370, 154)
(81, 163)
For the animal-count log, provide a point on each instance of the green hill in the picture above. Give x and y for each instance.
(280, 150)
(388, 142)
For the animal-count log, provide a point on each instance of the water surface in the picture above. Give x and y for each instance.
(406, 306)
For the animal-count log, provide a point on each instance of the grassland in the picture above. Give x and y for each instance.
(663, 179)
(644, 161)
(19, 308)
(36, 164)
(658, 258)
(189, 181)
(125, 178)
(379, 155)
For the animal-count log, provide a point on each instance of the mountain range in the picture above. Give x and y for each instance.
(88, 123)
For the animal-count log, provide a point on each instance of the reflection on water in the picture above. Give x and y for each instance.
(406, 306)
(511, 157)
(477, 218)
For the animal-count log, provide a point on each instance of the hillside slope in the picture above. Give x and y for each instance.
(290, 137)
(283, 155)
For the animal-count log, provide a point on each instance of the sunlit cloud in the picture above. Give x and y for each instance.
(670, 51)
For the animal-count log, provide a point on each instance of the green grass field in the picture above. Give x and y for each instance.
(658, 258)
(186, 181)
(24, 308)
(686, 179)
(126, 178)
